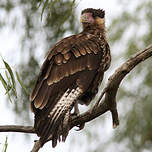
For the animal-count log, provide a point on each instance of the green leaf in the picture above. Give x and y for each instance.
(50, 9)
(8, 80)
(9, 86)
(39, 3)
(13, 84)
(5, 145)
(3, 82)
(6, 86)
(10, 72)
(44, 6)
(20, 82)
(65, 18)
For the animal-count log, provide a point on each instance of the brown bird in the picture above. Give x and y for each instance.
(71, 73)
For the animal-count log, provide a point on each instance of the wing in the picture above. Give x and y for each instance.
(68, 57)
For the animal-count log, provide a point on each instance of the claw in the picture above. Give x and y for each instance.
(76, 108)
(80, 126)
(77, 113)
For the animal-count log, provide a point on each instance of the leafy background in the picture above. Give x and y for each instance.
(41, 24)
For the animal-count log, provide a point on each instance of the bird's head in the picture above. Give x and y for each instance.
(92, 16)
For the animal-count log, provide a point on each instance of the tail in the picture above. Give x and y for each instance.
(55, 126)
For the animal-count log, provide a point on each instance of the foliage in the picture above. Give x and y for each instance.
(10, 83)
(51, 5)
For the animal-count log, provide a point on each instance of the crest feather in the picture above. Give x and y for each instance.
(95, 12)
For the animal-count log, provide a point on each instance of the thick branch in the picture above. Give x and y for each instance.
(111, 90)
(108, 103)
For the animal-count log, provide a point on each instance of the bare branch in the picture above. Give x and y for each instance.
(108, 103)
(15, 128)
(36, 146)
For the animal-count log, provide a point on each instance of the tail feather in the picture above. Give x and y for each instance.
(56, 123)
(65, 127)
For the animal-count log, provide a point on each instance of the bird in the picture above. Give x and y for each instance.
(70, 75)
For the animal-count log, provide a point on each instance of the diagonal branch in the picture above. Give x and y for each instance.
(110, 91)
(108, 103)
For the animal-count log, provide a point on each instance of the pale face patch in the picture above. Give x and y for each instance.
(87, 18)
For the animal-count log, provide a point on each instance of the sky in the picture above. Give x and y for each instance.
(9, 39)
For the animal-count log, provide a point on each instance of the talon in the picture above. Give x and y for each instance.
(74, 114)
(81, 126)
(76, 109)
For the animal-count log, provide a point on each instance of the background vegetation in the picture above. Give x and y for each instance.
(127, 33)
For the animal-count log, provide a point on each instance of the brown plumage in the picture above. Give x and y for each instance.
(71, 72)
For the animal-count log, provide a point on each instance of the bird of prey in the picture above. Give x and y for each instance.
(70, 74)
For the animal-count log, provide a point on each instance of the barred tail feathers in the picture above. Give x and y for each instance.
(56, 124)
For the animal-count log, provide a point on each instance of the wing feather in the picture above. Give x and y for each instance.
(59, 59)
(76, 52)
(67, 57)
(46, 98)
(94, 47)
(38, 101)
(46, 67)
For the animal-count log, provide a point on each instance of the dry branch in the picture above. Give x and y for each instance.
(110, 91)
(108, 103)
(14, 128)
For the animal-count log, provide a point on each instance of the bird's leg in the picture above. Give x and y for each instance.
(76, 113)
(76, 108)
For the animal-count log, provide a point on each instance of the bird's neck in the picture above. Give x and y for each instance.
(95, 30)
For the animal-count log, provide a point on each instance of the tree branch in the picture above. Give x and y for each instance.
(14, 128)
(110, 91)
(108, 103)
